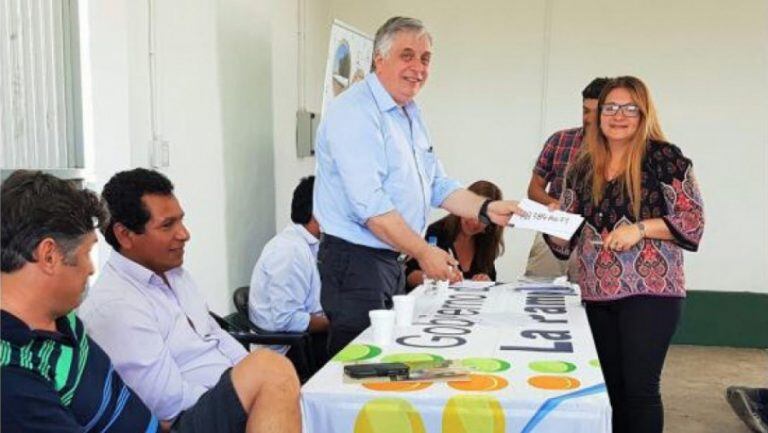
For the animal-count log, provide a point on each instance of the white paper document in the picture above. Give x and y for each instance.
(540, 218)
(469, 284)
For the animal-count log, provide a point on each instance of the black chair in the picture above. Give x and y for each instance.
(300, 343)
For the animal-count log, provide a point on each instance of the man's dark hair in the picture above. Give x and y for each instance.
(122, 195)
(36, 206)
(593, 89)
(301, 205)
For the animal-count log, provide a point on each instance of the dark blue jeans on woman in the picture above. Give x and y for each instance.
(632, 336)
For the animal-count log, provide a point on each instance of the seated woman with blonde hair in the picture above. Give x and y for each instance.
(474, 245)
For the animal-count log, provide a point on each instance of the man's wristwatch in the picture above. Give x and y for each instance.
(641, 227)
(482, 216)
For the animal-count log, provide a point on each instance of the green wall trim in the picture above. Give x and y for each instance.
(735, 319)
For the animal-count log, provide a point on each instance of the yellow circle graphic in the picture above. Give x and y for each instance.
(486, 365)
(473, 414)
(397, 386)
(412, 357)
(554, 382)
(480, 382)
(388, 415)
(552, 366)
(357, 352)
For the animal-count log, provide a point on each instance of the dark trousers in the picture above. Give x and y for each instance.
(632, 336)
(319, 348)
(355, 280)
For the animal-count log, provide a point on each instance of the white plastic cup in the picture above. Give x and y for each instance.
(404, 306)
(382, 325)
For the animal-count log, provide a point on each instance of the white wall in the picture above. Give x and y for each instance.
(506, 74)
(501, 82)
(244, 54)
(214, 109)
(288, 84)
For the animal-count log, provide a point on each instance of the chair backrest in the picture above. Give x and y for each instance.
(240, 298)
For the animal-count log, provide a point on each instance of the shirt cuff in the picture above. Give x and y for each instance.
(378, 204)
(542, 172)
(442, 188)
(299, 322)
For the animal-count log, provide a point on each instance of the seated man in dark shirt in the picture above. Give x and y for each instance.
(54, 377)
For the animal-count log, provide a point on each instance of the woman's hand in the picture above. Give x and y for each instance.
(481, 277)
(622, 238)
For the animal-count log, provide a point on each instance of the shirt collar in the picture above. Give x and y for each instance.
(383, 99)
(309, 237)
(135, 270)
(18, 332)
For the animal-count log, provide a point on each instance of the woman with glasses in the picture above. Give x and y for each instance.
(642, 208)
(474, 245)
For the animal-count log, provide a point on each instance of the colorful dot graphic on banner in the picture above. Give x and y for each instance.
(357, 352)
(480, 382)
(552, 366)
(412, 357)
(558, 383)
(595, 363)
(486, 365)
(397, 386)
(473, 414)
(388, 415)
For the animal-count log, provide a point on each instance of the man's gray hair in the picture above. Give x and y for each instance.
(386, 34)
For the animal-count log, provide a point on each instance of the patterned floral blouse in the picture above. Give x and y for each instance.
(652, 266)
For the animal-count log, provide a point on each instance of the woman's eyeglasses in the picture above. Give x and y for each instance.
(629, 110)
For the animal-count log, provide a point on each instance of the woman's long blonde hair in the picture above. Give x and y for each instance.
(593, 162)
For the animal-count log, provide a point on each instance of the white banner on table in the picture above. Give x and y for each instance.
(540, 218)
(536, 369)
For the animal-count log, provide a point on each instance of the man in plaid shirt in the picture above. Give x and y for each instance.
(546, 183)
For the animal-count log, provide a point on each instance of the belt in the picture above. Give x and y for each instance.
(389, 254)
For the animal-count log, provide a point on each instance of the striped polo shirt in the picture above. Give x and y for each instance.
(62, 381)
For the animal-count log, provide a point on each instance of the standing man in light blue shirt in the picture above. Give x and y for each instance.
(377, 179)
(147, 313)
(285, 285)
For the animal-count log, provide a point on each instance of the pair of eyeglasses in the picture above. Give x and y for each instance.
(629, 110)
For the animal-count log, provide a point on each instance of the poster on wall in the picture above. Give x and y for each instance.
(350, 55)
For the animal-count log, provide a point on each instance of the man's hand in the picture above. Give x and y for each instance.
(500, 211)
(436, 263)
(456, 276)
(481, 277)
(318, 322)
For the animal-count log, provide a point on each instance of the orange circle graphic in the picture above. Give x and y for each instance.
(554, 382)
(480, 382)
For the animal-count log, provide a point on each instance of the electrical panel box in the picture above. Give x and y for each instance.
(306, 126)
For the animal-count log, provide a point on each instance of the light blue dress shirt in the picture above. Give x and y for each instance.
(373, 157)
(159, 336)
(285, 284)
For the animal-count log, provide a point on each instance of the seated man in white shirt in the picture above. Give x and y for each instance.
(285, 284)
(149, 316)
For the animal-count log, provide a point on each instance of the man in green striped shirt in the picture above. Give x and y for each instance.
(54, 377)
